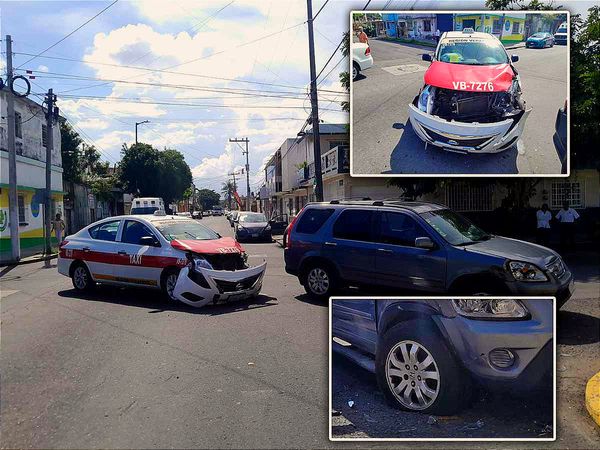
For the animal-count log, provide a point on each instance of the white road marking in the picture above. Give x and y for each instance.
(6, 292)
(404, 69)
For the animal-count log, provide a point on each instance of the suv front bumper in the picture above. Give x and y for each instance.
(465, 137)
(198, 288)
(562, 290)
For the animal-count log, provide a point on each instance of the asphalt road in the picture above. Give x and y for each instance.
(124, 368)
(383, 141)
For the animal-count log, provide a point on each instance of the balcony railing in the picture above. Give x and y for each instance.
(336, 160)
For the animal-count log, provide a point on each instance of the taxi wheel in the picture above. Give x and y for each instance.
(81, 278)
(168, 282)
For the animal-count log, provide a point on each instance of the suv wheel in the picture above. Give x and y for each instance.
(320, 281)
(417, 372)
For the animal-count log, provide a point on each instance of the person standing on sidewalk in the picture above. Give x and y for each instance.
(362, 36)
(437, 36)
(567, 217)
(543, 216)
(58, 226)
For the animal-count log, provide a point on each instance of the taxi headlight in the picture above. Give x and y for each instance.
(523, 271)
(490, 308)
(200, 263)
(424, 98)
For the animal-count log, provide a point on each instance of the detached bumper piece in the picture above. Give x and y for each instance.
(199, 288)
(464, 137)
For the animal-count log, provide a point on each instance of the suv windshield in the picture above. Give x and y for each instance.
(454, 228)
(253, 218)
(144, 210)
(185, 229)
(472, 51)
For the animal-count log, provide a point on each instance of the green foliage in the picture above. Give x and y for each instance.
(71, 153)
(151, 173)
(227, 189)
(102, 187)
(207, 198)
(345, 76)
(532, 5)
(413, 188)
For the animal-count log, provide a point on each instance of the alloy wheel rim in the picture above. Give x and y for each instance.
(171, 282)
(354, 74)
(412, 375)
(318, 281)
(80, 277)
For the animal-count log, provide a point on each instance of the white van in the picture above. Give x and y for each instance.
(147, 205)
(562, 34)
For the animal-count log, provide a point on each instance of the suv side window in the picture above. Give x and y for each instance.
(106, 231)
(133, 231)
(354, 224)
(399, 229)
(313, 219)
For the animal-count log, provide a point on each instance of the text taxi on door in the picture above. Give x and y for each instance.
(188, 261)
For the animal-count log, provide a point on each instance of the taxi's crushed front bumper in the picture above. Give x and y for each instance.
(202, 286)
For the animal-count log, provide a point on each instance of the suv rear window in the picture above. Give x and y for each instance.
(354, 224)
(312, 220)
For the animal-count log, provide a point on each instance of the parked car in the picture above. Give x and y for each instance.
(251, 226)
(197, 215)
(471, 100)
(232, 218)
(428, 354)
(184, 214)
(206, 213)
(415, 246)
(361, 58)
(217, 211)
(188, 261)
(561, 37)
(540, 40)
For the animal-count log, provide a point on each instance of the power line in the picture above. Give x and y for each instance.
(70, 34)
(320, 9)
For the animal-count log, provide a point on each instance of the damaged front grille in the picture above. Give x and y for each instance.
(473, 142)
(235, 286)
(482, 107)
(226, 261)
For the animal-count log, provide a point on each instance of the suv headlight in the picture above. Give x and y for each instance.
(490, 308)
(200, 263)
(523, 271)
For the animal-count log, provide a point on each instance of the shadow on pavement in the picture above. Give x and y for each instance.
(410, 156)
(155, 302)
(577, 329)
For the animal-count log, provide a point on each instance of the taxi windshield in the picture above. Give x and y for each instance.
(253, 218)
(471, 51)
(185, 230)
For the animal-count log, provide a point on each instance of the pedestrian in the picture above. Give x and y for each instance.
(567, 217)
(437, 36)
(58, 226)
(362, 36)
(543, 216)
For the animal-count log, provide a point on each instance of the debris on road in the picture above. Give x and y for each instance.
(474, 426)
(546, 430)
(432, 421)
(251, 364)
(350, 403)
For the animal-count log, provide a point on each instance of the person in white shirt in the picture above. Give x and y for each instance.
(543, 216)
(567, 217)
(437, 35)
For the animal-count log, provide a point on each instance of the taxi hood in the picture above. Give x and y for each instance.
(471, 78)
(212, 246)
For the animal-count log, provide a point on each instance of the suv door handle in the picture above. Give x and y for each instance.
(385, 250)
(331, 244)
(122, 252)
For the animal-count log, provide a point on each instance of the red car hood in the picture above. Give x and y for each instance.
(463, 77)
(214, 246)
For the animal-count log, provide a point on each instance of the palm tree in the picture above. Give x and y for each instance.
(227, 189)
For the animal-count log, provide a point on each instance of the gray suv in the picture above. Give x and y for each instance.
(414, 246)
(428, 354)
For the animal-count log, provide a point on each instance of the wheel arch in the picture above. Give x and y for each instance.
(461, 285)
(405, 311)
(310, 260)
(77, 262)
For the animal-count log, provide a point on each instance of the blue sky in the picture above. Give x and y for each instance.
(200, 104)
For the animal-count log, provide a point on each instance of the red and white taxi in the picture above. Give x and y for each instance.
(188, 261)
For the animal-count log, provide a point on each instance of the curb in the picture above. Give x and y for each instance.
(592, 397)
(30, 260)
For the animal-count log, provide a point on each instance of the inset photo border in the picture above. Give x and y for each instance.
(485, 343)
(474, 117)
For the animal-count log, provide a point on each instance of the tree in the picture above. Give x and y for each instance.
(207, 198)
(175, 175)
(227, 189)
(345, 76)
(71, 153)
(140, 173)
(413, 188)
(532, 5)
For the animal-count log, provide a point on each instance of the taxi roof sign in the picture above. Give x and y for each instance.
(468, 30)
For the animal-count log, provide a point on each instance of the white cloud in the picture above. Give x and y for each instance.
(42, 68)
(93, 124)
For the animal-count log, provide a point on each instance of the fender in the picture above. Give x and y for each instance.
(405, 310)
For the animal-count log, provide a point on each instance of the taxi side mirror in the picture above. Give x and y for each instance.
(150, 241)
(514, 58)
(426, 57)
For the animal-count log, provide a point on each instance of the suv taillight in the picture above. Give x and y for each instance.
(288, 231)
(368, 51)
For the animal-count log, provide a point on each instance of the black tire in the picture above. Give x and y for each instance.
(165, 282)
(320, 273)
(81, 278)
(452, 390)
(355, 71)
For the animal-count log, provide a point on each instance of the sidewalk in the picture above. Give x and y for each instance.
(30, 259)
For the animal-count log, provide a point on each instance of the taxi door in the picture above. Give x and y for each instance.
(98, 251)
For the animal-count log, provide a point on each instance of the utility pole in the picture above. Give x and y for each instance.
(50, 99)
(315, 106)
(136, 125)
(247, 170)
(13, 201)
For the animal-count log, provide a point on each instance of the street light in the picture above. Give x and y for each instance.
(136, 125)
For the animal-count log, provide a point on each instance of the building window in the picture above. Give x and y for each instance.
(427, 25)
(468, 23)
(516, 28)
(334, 144)
(21, 204)
(469, 197)
(497, 27)
(573, 192)
(44, 136)
(18, 125)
